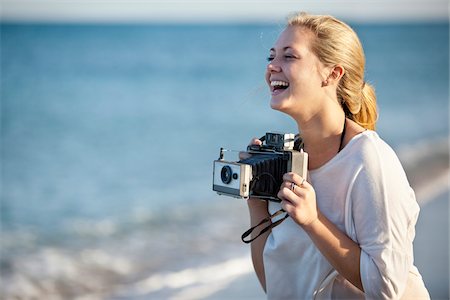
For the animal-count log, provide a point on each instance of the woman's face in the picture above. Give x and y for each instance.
(295, 74)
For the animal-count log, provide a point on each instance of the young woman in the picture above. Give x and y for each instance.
(352, 222)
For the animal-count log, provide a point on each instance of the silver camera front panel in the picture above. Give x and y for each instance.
(231, 178)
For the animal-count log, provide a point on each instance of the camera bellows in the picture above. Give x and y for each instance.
(267, 173)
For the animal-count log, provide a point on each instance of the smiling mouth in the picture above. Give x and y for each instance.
(279, 85)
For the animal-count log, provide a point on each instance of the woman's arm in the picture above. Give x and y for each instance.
(258, 211)
(341, 251)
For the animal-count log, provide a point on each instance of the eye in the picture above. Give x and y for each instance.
(270, 58)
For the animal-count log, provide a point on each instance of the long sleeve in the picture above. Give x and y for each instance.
(385, 211)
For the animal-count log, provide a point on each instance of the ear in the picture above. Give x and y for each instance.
(336, 74)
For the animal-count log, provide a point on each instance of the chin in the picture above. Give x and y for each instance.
(285, 106)
(279, 104)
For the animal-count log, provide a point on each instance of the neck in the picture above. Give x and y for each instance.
(322, 135)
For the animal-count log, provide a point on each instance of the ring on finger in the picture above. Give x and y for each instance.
(292, 186)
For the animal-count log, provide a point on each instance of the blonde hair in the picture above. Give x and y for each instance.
(337, 44)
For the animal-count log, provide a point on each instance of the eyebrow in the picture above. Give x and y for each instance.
(284, 49)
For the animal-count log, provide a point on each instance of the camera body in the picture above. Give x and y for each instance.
(259, 172)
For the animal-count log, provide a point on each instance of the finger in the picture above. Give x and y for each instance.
(287, 206)
(286, 184)
(256, 141)
(297, 179)
(292, 186)
(287, 194)
(245, 154)
(283, 194)
(293, 177)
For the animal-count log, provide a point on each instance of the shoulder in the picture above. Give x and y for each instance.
(377, 159)
(370, 147)
(374, 155)
(366, 144)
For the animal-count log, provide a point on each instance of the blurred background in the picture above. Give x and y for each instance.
(111, 116)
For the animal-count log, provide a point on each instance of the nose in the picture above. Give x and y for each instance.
(273, 67)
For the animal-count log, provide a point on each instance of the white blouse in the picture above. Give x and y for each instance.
(364, 191)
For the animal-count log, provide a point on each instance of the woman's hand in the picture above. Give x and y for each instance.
(255, 141)
(298, 199)
(244, 154)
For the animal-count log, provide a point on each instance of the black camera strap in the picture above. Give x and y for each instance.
(265, 229)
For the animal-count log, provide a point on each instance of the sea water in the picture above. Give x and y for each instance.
(108, 133)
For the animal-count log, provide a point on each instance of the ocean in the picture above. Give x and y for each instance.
(108, 134)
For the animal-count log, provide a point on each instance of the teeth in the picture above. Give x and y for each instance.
(279, 83)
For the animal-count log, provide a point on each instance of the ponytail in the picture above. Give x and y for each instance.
(368, 114)
(364, 110)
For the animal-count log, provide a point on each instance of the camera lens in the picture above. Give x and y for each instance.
(226, 174)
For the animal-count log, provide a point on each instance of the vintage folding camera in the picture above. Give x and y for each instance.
(259, 172)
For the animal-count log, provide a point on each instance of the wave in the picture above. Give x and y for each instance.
(190, 283)
(124, 259)
(426, 163)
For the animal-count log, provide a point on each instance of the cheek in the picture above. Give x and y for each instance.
(306, 80)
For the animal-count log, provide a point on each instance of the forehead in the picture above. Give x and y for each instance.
(295, 37)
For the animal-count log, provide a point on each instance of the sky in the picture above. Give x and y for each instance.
(218, 11)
